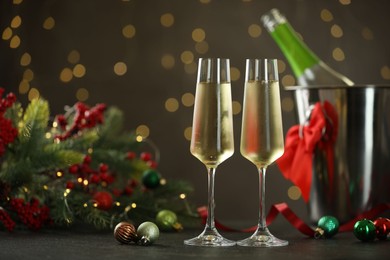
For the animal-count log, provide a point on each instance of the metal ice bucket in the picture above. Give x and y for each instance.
(361, 151)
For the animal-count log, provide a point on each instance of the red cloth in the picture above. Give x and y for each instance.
(296, 162)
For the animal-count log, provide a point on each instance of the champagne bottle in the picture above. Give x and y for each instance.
(307, 67)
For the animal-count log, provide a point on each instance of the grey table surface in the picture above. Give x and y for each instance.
(84, 244)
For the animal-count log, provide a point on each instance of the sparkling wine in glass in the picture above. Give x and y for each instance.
(212, 134)
(262, 135)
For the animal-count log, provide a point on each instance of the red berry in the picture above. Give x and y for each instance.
(128, 190)
(70, 185)
(74, 168)
(116, 192)
(94, 178)
(103, 167)
(133, 183)
(152, 164)
(131, 155)
(145, 156)
(87, 159)
(103, 200)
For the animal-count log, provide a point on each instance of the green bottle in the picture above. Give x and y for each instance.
(307, 67)
(311, 72)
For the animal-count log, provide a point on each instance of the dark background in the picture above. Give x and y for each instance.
(359, 48)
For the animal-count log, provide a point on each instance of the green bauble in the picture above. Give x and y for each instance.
(151, 179)
(148, 233)
(166, 220)
(327, 227)
(364, 230)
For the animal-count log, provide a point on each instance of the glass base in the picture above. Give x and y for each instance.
(209, 237)
(262, 238)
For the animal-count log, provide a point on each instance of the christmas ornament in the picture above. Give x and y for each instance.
(148, 233)
(364, 230)
(382, 226)
(151, 179)
(125, 233)
(327, 227)
(166, 220)
(103, 200)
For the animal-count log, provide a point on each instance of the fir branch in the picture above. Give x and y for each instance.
(17, 173)
(118, 163)
(113, 124)
(98, 218)
(32, 128)
(79, 143)
(57, 159)
(36, 116)
(15, 113)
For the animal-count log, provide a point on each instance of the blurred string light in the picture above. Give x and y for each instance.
(15, 42)
(345, 2)
(198, 35)
(336, 31)
(128, 31)
(188, 133)
(236, 107)
(82, 94)
(338, 54)
(73, 56)
(234, 73)
(79, 70)
(367, 34)
(171, 105)
(49, 23)
(66, 75)
(143, 130)
(294, 193)
(187, 57)
(168, 61)
(385, 72)
(202, 47)
(254, 30)
(25, 60)
(167, 20)
(120, 68)
(188, 99)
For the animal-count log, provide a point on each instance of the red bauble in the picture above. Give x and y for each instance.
(103, 200)
(382, 226)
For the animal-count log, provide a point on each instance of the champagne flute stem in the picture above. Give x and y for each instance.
(262, 214)
(210, 180)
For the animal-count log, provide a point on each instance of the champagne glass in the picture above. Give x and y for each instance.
(212, 134)
(262, 135)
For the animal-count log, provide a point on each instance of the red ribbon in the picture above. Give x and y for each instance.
(296, 162)
(294, 220)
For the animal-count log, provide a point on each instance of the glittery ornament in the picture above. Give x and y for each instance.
(327, 227)
(151, 179)
(148, 233)
(125, 233)
(166, 220)
(364, 230)
(382, 226)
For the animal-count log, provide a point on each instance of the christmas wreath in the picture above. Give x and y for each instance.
(80, 167)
